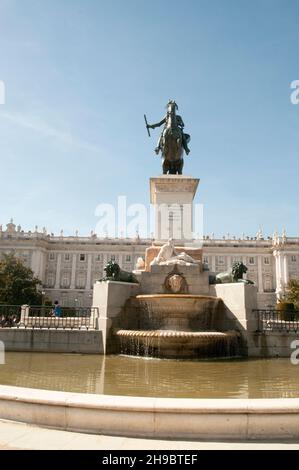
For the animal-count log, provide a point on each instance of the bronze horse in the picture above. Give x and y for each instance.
(172, 141)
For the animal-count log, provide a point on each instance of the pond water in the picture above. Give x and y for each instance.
(124, 375)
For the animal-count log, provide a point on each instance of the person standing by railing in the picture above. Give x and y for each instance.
(57, 311)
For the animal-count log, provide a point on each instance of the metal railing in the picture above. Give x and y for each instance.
(285, 321)
(43, 317)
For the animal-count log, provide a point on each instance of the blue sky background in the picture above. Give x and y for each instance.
(80, 74)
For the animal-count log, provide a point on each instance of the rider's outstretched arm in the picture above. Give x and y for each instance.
(158, 124)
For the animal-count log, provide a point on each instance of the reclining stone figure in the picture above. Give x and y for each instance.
(168, 255)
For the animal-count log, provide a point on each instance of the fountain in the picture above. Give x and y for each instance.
(167, 307)
(175, 326)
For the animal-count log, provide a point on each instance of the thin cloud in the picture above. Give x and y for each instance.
(41, 127)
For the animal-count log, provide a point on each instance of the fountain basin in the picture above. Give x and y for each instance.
(180, 312)
(178, 344)
(175, 326)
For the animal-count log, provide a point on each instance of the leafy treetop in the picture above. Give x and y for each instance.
(292, 292)
(18, 285)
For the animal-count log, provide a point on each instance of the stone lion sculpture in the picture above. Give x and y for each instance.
(113, 272)
(234, 274)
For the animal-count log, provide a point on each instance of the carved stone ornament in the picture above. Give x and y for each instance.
(175, 282)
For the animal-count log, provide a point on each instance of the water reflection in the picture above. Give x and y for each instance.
(121, 375)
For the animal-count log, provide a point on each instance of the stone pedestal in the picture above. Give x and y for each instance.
(110, 298)
(153, 281)
(172, 197)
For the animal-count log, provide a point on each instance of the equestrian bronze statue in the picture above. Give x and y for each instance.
(172, 141)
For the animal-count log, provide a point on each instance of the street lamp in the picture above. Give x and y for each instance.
(43, 296)
(76, 304)
(43, 302)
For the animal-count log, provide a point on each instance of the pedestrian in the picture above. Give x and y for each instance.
(57, 309)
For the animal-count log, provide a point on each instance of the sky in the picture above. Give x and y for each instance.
(80, 74)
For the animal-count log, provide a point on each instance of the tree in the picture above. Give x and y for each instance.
(292, 292)
(18, 285)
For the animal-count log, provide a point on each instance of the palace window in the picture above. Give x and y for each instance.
(293, 259)
(82, 257)
(128, 258)
(267, 260)
(50, 279)
(112, 258)
(268, 285)
(219, 259)
(66, 257)
(251, 260)
(51, 256)
(81, 280)
(65, 280)
(99, 257)
(206, 260)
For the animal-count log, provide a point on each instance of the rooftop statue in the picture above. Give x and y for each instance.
(172, 141)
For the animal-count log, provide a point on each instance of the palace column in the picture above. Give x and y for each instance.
(36, 263)
(281, 270)
(213, 266)
(73, 274)
(42, 267)
(88, 277)
(260, 274)
(58, 268)
(277, 263)
(278, 268)
(286, 269)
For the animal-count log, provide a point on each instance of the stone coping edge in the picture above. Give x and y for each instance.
(127, 403)
(174, 418)
(119, 283)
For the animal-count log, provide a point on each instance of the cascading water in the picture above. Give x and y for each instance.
(176, 325)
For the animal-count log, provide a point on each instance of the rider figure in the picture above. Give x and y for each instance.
(181, 125)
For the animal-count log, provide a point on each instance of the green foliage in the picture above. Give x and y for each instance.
(292, 292)
(286, 310)
(283, 306)
(18, 285)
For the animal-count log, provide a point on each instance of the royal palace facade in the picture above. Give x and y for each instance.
(68, 266)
